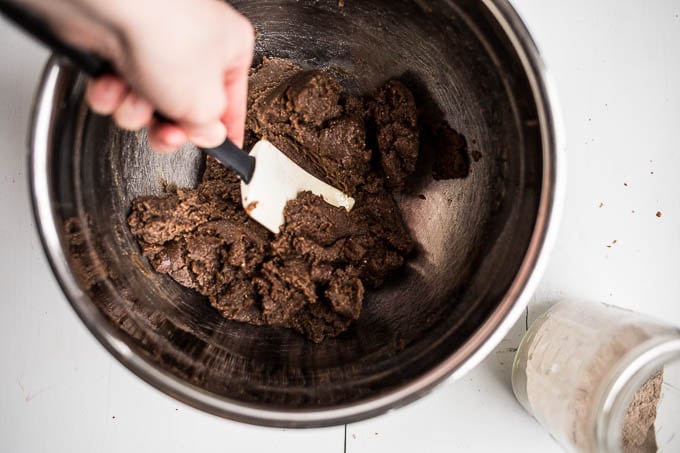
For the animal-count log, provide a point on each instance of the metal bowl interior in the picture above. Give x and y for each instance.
(479, 238)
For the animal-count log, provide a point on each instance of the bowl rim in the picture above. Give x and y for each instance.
(461, 361)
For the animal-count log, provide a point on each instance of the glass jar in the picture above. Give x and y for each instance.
(601, 378)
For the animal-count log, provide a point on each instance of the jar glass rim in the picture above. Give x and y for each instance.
(635, 368)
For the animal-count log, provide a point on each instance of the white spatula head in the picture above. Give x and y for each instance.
(276, 180)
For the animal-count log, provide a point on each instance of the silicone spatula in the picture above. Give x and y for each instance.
(269, 179)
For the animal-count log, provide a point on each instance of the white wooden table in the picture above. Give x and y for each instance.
(616, 66)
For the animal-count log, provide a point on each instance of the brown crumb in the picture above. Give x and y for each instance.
(251, 206)
(476, 155)
(167, 186)
(601, 205)
(354, 436)
(422, 197)
(658, 214)
(625, 184)
(341, 3)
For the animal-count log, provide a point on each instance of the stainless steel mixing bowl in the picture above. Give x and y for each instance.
(482, 240)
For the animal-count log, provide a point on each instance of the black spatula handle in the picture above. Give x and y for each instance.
(228, 154)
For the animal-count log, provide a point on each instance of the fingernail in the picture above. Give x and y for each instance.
(211, 136)
(174, 138)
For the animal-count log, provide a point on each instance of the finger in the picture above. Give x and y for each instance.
(104, 94)
(234, 118)
(133, 113)
(166, 137)
(208, 136)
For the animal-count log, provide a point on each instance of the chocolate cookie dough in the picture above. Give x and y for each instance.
(306, 115)
(313, 275)
(452, 159)
(394, 121)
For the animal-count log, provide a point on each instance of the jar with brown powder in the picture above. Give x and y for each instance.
(601, 378)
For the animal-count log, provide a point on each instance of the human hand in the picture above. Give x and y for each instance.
(188, 59)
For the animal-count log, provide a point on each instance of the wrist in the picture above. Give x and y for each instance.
(105, 23)
(79, 25)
